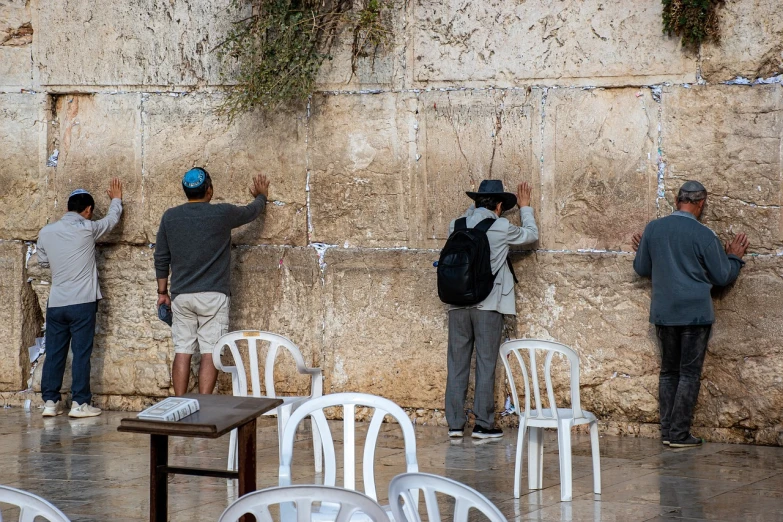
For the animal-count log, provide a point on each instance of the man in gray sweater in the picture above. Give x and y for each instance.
(194, 243)
(685, 259)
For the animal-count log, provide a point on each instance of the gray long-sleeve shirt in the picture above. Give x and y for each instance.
(194, 241)
(685, 260)
(501, 235)
(68, 248)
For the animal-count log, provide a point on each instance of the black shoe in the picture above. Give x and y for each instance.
(486, 433)
(665, 440)
(689, 442)
(456, 432)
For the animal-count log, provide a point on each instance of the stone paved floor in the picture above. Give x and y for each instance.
(94, 473)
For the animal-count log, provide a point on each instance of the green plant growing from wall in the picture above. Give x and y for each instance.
(695, 21)
(279, 45)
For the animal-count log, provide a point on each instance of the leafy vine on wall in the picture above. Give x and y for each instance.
(279, 46)
(695, 21)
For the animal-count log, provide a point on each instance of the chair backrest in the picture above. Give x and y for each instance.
(348, 401)
(512, 349)
(239, 374)
(402, 491)
(30, 506)
(258, 502)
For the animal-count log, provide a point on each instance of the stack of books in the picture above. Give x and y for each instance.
(171, 409)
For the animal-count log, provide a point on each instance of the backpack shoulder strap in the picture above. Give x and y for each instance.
(485, 225)
(461, 224)
(511, 267)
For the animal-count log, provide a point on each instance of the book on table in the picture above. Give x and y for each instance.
(171, 409)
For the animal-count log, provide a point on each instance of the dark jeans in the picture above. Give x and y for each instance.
(682, 356)
(469, 327)
(72, 325)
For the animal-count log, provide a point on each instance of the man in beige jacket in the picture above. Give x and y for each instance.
(481, 325)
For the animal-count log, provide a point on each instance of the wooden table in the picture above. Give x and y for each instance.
(218, 415)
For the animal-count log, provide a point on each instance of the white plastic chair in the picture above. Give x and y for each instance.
(258, 502)
(403, 488)
(30, 506)
(348, 401)
(239, 382)
(563, 419)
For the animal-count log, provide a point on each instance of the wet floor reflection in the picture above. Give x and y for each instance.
(94, 473)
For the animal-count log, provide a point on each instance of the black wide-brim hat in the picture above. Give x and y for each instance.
(494, 187)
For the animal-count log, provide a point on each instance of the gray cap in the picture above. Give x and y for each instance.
(692, 186)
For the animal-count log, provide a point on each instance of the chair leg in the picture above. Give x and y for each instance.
(564, 448)
(318, 454)
(596, 458)
(283, 413)
(232, 451)
(518, 464)
(535, 458)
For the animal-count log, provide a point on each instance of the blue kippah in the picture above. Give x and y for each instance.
(77, 192)
(194, 178)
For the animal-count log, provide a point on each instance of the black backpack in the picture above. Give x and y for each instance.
(464, 272)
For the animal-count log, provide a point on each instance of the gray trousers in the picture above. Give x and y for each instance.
(469, 327)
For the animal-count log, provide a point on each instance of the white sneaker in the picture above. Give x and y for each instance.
(52, 409)
(83, 410)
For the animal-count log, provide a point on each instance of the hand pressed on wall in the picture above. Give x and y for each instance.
(738, 246)
(523, 194)
(115, 189)
(260, 186)
(635, 240)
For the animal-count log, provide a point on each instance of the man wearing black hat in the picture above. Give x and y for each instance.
(194, 243)
(685, 259)
(481, 325)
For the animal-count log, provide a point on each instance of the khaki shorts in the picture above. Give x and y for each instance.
(199, 320)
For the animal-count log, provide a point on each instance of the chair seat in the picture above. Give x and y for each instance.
(288, 402)
(563, 413)
(328, 513)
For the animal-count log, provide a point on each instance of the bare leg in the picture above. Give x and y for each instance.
(181, 373)
(207, 374)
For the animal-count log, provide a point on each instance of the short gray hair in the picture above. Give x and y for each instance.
(686, 196)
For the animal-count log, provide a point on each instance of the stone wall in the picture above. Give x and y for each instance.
(588, 100)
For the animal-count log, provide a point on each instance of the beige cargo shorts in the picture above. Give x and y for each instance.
(199, 320)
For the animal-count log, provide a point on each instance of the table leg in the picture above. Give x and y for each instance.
(247, 462)
(159, 484)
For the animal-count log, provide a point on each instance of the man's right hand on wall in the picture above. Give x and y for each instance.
(636, 240)
(738, 246)
(260, 186)
(523, 194)
(115, 189)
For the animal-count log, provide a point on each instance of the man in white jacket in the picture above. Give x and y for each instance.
(481, 325)
(68, 248)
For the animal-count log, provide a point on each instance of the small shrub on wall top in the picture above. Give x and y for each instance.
(695, 21)
(279, 46)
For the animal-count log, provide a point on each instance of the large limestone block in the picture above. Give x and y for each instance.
(729, 138)
(751, 42)
(20, 318)
(600, 167)
(23, 197)
(98, 137)
(465, 137)
(278, 289)
(498, 43)
(359, 149)
(742, 385)
(183, 131)
(595, 304)
(132, 353)
(16, 39)
(134, 43)
(385, 330)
